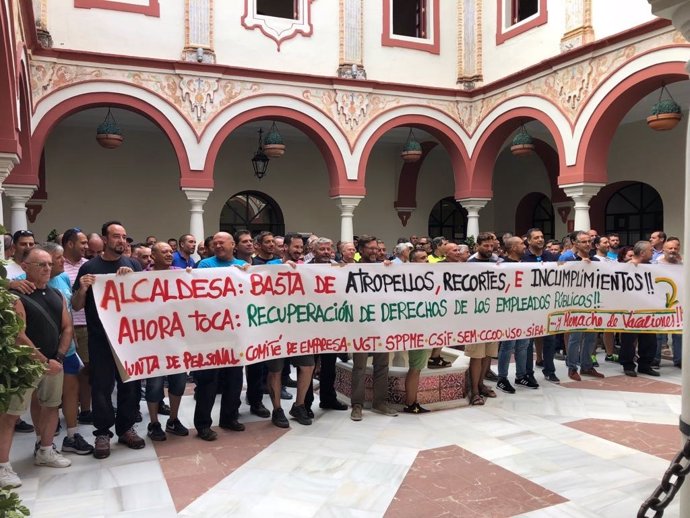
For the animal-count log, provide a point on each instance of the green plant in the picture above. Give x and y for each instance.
(470, 242)
(522, 138)
(412, 145)
(108, 127)
(665, 106)
(11, 506)
(53, 235)
(273, 137)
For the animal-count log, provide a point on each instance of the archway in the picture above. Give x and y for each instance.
(254, 211)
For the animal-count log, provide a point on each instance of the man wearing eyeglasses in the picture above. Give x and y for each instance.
(48, 330)
(104, 373)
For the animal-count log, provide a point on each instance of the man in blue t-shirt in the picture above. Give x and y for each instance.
(182, 258)
(230, 378)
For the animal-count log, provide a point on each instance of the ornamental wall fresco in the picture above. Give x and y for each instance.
(199, 98)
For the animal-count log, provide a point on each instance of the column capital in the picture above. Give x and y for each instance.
(474, 204)
(347, 203)
(583, 190)
(7, 163)
(19, 192)
(196, 194)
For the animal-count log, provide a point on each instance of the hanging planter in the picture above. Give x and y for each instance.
(412, 150)
(666, 113)
(274, 147)
(108, 133)
(522, 144)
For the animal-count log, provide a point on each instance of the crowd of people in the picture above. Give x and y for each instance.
(52, 283)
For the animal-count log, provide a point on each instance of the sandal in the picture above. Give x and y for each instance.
(438, 363)
(487, 392)
(476, 400)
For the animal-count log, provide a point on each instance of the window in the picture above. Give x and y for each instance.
(253, 211)
(543, 217)
(448, 219)
(409, 18)
(523, 9)
(278, 8)
(411, 24)
(515, 17)
(634, 212)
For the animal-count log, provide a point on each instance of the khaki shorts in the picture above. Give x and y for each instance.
(48, 391)
(418, 358)
(489, 349)
(82, 338)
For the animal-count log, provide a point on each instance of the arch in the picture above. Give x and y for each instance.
(493, 138)
(527, 211)
(642, 200)
(65, 102)
(9, 122)
(320, 129)
(245, 207)
(438, 124)
(608, 105)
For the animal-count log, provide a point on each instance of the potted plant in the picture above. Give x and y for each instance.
(665, 115)
(19, 370)
(523, 143)
(108, 133)
(274, 147)
(412, 150)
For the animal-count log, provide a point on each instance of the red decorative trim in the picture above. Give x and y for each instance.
(502, 36)
(592, 154)
(459, 157)
(152, 9)
(404, 216)
(23, 173)
(32, 210)
(407, 184)
(431, 45)
(493, 139)
(9, 137)
(289, 34)
(96, 99)
(337, 174)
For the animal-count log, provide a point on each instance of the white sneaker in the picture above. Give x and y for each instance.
(8, 478)
(51, 458)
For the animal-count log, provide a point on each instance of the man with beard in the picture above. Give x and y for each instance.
(182, 258)
(369, 252)
(103, 370)
(614, 246)
(265, 250)
(322, 250)
(671, 255)
(142, 254)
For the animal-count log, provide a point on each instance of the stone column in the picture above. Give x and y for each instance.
(473, 206)
(469, 43)
(198, 31)
(19, 195)
(7, 163)
(581, 193)
(197, 198)
(351, 59)
(678, 11)
(347, 206)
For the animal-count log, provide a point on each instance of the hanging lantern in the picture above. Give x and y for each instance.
(412, 150)
(108, 133)
(523, 143)
(666, 113)
(274, 147)
(260, 160)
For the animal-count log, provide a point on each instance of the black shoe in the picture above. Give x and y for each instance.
(22, 426)
(655, 363)
(415, 408)
(138, 417)
(278, 418)
(163, 408)
(630, 372)
(491, 375)
(260, 410)
(310, 412)
(175, 427)
(648, 371)
(333, 405)
(155, 432)
(504, 385)
(233, 425)
(284, 394)
(85, 417)
(532, 379)
(525, 381)
(207, 434)
(299, 412)
(288, 382)
(552, 378)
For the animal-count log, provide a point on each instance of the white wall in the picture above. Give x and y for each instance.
(614, 16)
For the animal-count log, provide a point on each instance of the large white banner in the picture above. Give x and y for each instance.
(172, 321)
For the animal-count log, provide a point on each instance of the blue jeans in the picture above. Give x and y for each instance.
(529, 358)
(580, 348)
(676, 345)
(519, 349)
(551, 342)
